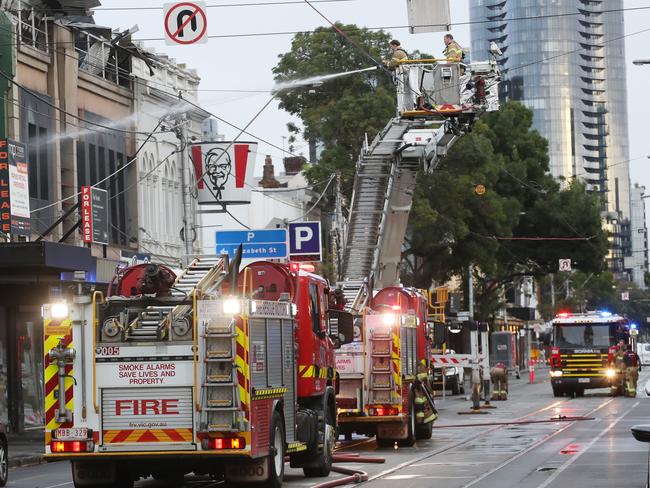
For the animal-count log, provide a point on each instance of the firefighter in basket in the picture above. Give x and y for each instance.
(499, 378)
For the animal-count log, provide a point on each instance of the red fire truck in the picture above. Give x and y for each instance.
(385, 373)
(213, 372)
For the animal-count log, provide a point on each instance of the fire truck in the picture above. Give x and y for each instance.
(437, 103)
(379, 371)
(213, 371)
(582, 352)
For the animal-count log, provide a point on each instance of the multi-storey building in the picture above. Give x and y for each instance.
(565, 59)
(637, 262)
(68, 94)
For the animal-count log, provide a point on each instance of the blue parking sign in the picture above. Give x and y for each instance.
(305, 241)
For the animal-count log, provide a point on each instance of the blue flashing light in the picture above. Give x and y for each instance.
(634, 326)
(605, 313)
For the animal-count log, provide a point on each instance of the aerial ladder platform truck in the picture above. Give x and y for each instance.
(214, 371)
(437, 103)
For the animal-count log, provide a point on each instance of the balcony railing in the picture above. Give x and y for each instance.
(100, 57)
(31, 28)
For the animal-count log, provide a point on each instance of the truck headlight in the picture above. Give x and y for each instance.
(556, 374)
(231, 306)
(610, 372)
(389, 319)
(59, 310)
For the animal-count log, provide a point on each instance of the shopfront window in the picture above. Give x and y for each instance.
(29, 342)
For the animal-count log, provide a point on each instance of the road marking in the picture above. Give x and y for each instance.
(532, 446)
(459, 443)
(569, 462)
(60, 484)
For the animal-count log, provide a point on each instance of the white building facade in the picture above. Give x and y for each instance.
(160, 162)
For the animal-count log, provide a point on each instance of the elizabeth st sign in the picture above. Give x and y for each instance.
(301, 242)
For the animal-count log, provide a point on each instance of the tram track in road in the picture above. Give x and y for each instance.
(462, 442)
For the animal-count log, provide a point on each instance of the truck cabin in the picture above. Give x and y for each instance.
(407, 301)
(597, 331)
(317, 335)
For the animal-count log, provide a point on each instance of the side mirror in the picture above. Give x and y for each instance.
(641, 433)
(341, 326)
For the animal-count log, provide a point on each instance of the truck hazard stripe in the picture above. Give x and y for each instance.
(146, 435)
(56, 331)
(242, 363)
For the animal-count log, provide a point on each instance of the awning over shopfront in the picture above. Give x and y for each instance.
(21, 261)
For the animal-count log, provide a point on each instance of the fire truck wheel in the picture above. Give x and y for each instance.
(580, 392)
(410, 436)
(4, 463)
(324, 465)
(557, 391)
(276, 459)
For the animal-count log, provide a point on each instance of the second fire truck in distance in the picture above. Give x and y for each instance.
(385, 374)
(211, 372)
(583, 346)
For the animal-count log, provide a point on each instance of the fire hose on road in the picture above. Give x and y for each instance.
(353, 475)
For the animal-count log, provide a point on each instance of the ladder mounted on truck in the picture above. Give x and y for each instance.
(437, 103)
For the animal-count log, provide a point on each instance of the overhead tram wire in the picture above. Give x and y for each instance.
(225, 5)
(386, 27)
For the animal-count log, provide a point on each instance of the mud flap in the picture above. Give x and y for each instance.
(93, 474)
(248, 471)
(392, 430)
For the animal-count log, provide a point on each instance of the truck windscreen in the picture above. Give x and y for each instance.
(583, 335)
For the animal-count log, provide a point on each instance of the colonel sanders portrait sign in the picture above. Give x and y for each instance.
(224, 171)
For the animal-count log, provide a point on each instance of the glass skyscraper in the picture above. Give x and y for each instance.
(565, 59)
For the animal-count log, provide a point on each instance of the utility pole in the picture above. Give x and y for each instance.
(553, 292)
(476, 377)
(338, 232)
(180, 123)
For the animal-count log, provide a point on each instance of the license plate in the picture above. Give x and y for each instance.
(71, 433)
(583, 380)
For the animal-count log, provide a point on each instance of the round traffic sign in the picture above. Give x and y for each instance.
(186, 23)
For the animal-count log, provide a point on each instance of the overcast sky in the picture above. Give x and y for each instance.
(245, 63)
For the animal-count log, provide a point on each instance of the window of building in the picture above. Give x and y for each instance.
(100, 155)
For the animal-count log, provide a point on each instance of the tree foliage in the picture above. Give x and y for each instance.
(339, 113)
(452, 226)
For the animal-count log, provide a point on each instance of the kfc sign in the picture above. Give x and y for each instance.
(224, 171)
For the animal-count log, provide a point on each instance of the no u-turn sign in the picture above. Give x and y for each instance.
(186, 23)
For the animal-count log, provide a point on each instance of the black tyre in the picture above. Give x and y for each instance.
(557, 391)
(381, 442)
(276, 457)
(329, 440)
(424, 431)
(410, 436)
(455, 386)
(4, 463)
(348, 436)
(580, 392)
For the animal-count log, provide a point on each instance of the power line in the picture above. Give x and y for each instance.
(223, 5)
(317, 201)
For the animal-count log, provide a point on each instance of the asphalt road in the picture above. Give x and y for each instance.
(461, 454)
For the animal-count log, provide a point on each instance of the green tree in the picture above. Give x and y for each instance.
(339, 113)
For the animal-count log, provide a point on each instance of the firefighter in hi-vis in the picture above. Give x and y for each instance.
(499, 378)
(423, 406)
(631, 362)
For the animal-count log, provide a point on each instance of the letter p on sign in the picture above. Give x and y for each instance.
(305, 241)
